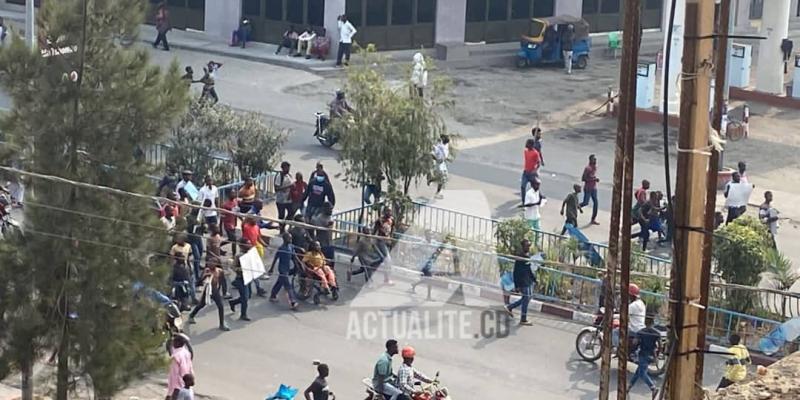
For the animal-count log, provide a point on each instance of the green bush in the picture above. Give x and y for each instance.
(742, 252)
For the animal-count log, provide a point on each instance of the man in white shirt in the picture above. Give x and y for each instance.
(283, 199)
(441, 153)
(208, 191)
(305, 39)
(637, 311)
(533, 201)
(737, 194)
(346, 32)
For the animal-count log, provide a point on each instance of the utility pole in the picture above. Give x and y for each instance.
(720, 108)
(620, 244)
(30, 24)
(687, 290)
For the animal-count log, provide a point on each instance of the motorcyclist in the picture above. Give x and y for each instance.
(382, 377)
(408, 376)
(339, 106)
(637, 311)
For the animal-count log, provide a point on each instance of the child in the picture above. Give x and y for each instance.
(736, 366)
(315, 260)
(297, 193)
(648, 342)
(318, 390)
(185, 393)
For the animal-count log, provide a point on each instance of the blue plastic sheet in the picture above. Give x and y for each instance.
(284, 393)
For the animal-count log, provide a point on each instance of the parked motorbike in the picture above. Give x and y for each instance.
(325, 136)
(429, 391)
(589, 343)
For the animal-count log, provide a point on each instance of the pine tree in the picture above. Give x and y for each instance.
(83, 113)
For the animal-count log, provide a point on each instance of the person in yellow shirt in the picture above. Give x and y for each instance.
(736, 365)
(315, 260)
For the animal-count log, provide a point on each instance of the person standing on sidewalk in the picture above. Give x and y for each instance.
(567, 38)
(346, 32)
(531, 161)
(283, 193)
(590, 180)
(572, 207)
(524, 281)
(648, 341)
(162, 26)
(284, 257)
(769, 216)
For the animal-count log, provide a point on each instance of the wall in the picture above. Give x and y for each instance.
(333, 9)
(222, 17)
(569, 7)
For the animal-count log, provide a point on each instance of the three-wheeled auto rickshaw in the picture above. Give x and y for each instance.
(542, 43)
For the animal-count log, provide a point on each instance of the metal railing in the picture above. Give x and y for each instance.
(482, 231)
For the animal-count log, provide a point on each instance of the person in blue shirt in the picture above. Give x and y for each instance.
(284, 257)
(648, 343)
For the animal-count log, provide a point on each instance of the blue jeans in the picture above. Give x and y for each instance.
(244, 295)
(524, 181)
(283, 282)
(373, 191)
(590, 194)
(641, 373)
(197, 254)
(527, 293)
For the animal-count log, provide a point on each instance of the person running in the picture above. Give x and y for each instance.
(382, 378)
(162, 26)
(572, 208)
(209, 83)
(229, 220)
(435, 249)
(212, 285)
(407, 375)
(531, 163)
(648, 339)
(252, 233)
(736, 365)
(524, 281)
(318, 389)
(769, 216)
(441, 154)
(369, 258)
(284, 258)
(384, 228)
(590, 180)
(247, 195)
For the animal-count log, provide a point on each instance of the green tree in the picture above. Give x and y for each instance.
(224, 143)
(782, 275)
(390, 132)
(741, 250)
(83, 113)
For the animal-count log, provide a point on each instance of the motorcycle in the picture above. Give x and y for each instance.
(429, 391)
(589, 342)
(325, 136)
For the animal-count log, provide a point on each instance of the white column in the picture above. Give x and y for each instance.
(569, 7)
(775, 26)
(30, 24)
(222, 18)
(451, 21)
(333, 9)
(674, 61)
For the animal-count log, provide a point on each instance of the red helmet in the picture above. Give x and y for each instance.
(408, 352)
(633, 290)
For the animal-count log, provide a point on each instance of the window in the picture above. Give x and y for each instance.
(654, 4)
(401, 12)
(498, 10)
(545, 8)
(520, 9)
(274, 10)
(756, 9)
(197, 4)
(426, 11)
(590, 7)
(294, 11)
(251, 7)
(376, 12)
(353, 11)
(316, 12)
(476, 10)
(37, 3)
(609, 7)
(176, 3)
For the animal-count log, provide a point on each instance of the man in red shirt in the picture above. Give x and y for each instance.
(532, 161)
(229, 220)
(252, 233)
(590, 180)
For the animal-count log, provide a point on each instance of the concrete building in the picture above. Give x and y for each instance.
(403, 24)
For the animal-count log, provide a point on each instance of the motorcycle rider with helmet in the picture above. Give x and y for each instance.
(637, 311)
(407, 375)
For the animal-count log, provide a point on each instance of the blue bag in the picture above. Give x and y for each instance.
(284, 393)
(507, 281)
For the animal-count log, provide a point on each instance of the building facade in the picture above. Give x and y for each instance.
(404, 24)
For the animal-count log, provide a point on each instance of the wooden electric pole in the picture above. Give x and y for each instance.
(687, 289)
(619, 236)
